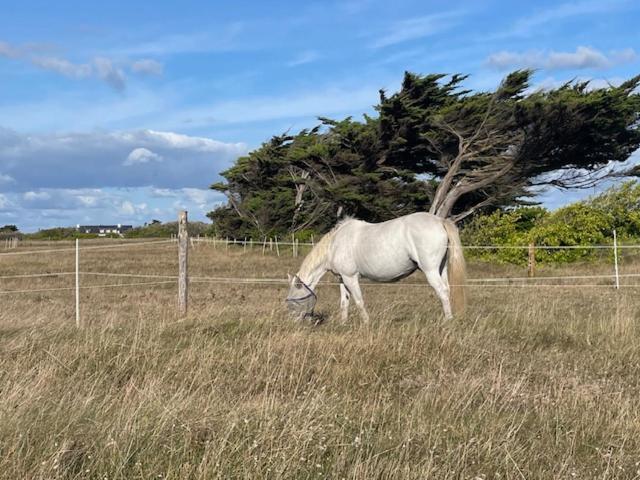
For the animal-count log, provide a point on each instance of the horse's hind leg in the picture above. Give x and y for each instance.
(344, 302)
(353, 286)
(444, 276)
(441, 285)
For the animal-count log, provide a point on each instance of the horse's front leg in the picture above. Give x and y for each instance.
(353, 285)
(344, 302)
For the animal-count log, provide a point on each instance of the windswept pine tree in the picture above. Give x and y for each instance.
(500, 148)
(434, 146)
(306, 181)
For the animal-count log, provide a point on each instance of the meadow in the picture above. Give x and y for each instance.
(530, 383)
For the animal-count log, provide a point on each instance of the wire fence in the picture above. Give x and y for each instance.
(609, 281)
(172, 242)
(222, 242)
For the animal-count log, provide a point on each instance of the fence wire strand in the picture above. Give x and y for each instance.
(492, 282)
(37, 275)
(260, 243)
(97, 247)
(86, 287)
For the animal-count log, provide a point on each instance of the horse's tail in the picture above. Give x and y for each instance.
(456, 268)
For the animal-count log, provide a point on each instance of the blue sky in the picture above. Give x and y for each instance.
(120, 112)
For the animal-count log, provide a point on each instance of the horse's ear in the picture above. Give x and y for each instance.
(289, 277)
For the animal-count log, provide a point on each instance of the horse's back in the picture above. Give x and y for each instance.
(389, 250)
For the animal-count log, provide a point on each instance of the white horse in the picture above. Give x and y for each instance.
(383, 252)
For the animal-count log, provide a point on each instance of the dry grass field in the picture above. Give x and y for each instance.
(531, 383)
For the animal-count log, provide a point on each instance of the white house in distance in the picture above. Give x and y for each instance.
(104, 230)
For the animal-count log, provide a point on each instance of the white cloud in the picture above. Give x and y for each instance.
(109, 73)
(127, 208)
(63, 207)
(4, 179)
(7, 50)
(163, 193)
(147, 66)
(141, 155)
(303, 58)
(418, 27)
(63, 67)
(35, 196)
(627, 55)
(103, 68)
(203, 199)
(88, 200)
(582, 58)
(4, 202)
(95, 160)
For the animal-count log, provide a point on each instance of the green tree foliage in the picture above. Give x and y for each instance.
(59, 233)
(294, 183)
(491, 149)
(157, 229)
(588, 223)
(434, 146)
(502, 229)
(9, 231)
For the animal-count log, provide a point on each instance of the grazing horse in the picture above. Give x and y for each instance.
(383, 252)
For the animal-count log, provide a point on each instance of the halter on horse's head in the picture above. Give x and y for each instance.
(301, 300)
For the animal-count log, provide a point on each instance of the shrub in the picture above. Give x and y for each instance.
(571, 226)
(502, 228)
(589, 222)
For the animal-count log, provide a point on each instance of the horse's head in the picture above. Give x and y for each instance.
(301, 300)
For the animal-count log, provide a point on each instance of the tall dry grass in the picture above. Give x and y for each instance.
(530, 383)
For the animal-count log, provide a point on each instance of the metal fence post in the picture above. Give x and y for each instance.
(183, 257)
(78, 283)
(615, 259)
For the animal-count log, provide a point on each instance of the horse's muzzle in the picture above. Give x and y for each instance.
(301, 307)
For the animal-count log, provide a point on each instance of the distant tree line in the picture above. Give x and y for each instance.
(9, 231)
(158, 229)
(153, 229)
(433, 146)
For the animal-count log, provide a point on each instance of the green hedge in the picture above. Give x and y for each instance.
(590, 222)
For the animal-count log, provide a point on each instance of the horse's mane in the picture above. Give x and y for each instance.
(319, 252)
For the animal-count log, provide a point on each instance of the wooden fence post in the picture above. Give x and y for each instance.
(183, 258)
(531, 271)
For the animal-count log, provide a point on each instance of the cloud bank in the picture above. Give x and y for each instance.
(136, 158)
(106, 69)
(582, 58)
